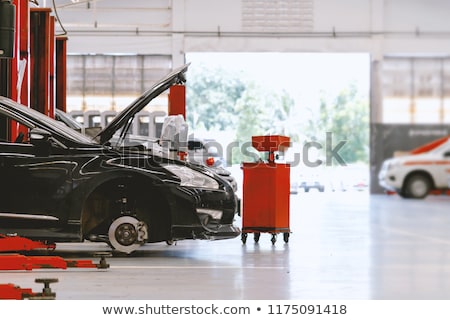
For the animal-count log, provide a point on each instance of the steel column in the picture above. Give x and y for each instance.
(24, 50)
(51, 63)
(20, 66)
(177, 100)
(42, 59)
(8, 27)
(61, 73)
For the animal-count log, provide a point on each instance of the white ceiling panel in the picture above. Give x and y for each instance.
(98, 15)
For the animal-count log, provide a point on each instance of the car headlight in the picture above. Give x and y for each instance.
(393, 164)
(192, 178)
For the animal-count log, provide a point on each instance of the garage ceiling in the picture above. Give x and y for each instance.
(113, 16)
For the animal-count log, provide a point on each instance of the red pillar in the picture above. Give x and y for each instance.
(61, 73)
(51, 68)
(24, 51)
(177, 100)
(42, 60)
(177, 105)
(16, 58)
(20, 63)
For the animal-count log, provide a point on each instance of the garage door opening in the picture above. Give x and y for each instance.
(320, 100)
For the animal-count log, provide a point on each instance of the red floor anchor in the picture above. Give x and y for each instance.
(12, 292)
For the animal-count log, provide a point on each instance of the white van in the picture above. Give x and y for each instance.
(414, 175)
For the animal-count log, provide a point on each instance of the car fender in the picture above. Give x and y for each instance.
(112, 181)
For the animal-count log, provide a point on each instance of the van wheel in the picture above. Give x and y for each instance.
(403, 194)
(417, 186)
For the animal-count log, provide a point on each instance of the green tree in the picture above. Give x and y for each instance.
(219, 100)
(261, 112)
(211, 96)
(347, 118)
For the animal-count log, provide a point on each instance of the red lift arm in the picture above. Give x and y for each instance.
(16, 243)
(20, 262)
(10, 291)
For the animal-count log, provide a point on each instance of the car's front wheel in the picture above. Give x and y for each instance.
(126, 234)
(417, 186)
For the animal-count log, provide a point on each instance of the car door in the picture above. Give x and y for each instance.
(443, 169)
(33, 189)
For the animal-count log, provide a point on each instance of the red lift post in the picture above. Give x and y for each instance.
(42, 46)
(177, 106)
(266, 191)
(61, 73)
(20, 64)
(177, 100)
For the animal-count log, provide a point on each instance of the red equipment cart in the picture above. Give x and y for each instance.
(266, 191)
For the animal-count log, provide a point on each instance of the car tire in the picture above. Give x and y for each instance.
(417, 186)
(403, 194)
(306, 189)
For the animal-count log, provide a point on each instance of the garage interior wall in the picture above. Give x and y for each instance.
(406, 39)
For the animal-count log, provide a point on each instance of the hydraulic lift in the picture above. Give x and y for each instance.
(22, 262)
(10, 245)
(10, 260)
(12, 292)
(33, 66)
(32, 57)
(14, 243)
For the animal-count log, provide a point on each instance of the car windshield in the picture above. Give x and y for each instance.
(48, 122)
(445, 147)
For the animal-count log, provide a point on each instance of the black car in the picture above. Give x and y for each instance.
(58, 185)
(311, 182)
(196, 149)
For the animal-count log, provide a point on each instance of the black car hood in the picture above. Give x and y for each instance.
(177, 76)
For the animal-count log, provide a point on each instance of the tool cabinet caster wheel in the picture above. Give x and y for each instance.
(244, 238)
(286, 237)
(257, 236)
(274, 238)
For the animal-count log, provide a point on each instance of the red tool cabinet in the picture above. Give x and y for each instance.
(266, 192)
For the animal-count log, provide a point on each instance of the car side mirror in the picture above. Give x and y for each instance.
(39, 135)
(41, 141)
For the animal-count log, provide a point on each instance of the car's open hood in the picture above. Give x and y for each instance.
(121, 120)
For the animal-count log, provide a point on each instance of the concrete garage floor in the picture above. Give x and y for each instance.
(344, 246)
